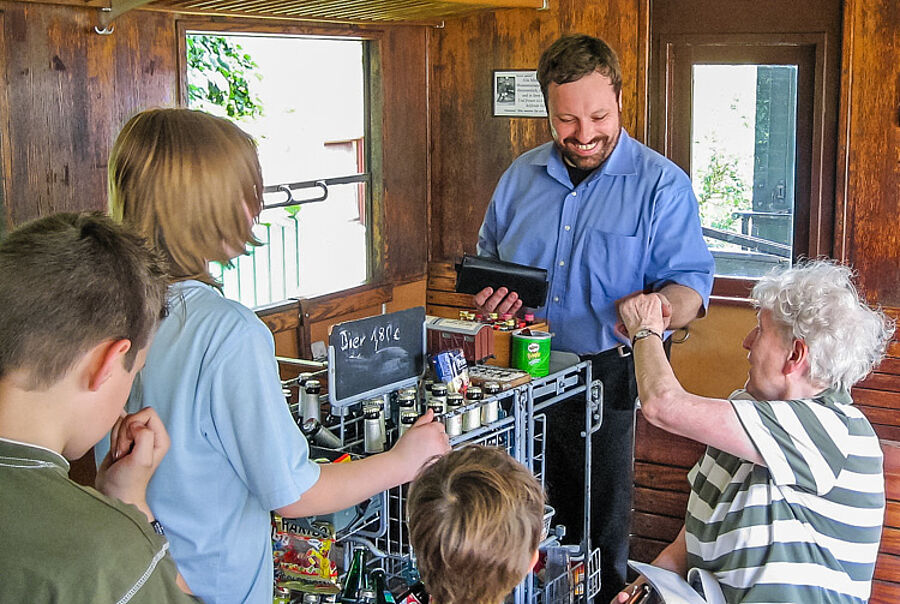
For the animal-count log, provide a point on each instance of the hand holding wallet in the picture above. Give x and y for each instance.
(474, 273)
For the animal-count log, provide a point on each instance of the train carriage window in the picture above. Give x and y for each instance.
(744, 99)
(743, 163)
(309, 116)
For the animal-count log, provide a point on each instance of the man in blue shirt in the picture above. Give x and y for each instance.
(607, 217)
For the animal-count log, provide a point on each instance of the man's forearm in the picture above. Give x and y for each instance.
(686, 303)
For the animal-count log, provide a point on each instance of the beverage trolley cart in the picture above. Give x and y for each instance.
(520, 428)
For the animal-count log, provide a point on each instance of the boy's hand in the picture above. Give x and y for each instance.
(424, 441)
(138, 443)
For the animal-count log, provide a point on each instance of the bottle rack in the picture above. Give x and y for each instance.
(521, 430)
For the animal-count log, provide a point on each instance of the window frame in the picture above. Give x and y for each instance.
(671, 110)
(374, 111)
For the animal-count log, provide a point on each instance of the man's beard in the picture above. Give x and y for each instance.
(604, 149)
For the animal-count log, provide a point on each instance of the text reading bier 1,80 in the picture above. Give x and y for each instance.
(381, 335)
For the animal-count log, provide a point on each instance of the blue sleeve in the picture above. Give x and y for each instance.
(487, 235)
(253, 423)
(678, 253)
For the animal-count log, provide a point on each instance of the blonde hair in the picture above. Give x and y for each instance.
(475, 521)
(186, 181)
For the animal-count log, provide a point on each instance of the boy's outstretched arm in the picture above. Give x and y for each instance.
(345, 484)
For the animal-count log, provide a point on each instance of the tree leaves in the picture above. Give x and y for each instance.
(217, 77)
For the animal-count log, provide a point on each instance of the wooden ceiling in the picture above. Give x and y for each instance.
(360, 11)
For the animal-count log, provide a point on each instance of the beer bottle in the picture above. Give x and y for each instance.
(472, 417)
(374, 436)
(382, 594)
(355, 579)
(453, 423)
(311, 408)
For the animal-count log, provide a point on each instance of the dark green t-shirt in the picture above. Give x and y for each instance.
(62, 542)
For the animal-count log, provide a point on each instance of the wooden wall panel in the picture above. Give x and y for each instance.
(405, 169)
(471, 149)
(68, 91)
(869, 153)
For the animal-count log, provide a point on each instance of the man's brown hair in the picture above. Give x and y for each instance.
(67, 283)
(475, 521)
(574, 56)
(189, 182)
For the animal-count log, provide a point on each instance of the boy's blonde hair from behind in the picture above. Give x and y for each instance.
(190, 183)
(475, 522)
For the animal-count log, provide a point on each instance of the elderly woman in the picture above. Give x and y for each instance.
(786, 504)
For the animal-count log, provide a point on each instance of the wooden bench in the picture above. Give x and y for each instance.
(661, 491)
(886, 585)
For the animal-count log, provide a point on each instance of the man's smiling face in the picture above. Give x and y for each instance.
(585, 119)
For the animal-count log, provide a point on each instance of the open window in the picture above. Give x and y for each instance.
(305, 100)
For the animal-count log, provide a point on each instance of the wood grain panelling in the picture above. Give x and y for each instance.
(886, 587)
(471, 149)
(869, 154)
(68, 91)
(405, 169)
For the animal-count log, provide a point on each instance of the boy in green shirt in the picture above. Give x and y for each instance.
(80, 298)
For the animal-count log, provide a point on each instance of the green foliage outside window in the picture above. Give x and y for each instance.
(722, 191)
(217, 77)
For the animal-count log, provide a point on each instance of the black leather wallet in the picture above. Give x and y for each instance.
(474, 273)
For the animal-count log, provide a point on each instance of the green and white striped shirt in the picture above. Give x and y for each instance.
(806, 527)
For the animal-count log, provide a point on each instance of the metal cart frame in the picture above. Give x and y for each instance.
(380, 525)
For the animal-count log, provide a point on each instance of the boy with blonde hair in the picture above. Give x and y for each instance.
(80, 300)
(475, 522)
(191, 184)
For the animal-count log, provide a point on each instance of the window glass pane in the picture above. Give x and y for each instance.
(311, 125)
(743, 161)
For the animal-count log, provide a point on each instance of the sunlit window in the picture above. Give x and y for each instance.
(743, 163)
(304, 100)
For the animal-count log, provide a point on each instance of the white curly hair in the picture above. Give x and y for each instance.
(816, 301)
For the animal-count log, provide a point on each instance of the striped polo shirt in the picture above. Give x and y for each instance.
(804, 528)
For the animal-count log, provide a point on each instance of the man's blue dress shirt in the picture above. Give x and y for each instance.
(631, 225)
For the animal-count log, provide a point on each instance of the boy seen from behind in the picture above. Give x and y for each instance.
(80, 299)
(475, 522)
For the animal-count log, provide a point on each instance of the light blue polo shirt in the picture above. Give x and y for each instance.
(236, 452)
(632, 224)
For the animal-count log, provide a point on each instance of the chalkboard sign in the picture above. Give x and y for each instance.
(372, 353)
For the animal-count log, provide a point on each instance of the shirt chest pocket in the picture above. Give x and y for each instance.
(615, 263)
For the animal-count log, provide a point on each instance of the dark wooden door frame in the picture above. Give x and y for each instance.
(671, 120)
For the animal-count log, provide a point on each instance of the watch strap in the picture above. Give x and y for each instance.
(644, 333)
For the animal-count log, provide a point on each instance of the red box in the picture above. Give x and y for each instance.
(475, 339)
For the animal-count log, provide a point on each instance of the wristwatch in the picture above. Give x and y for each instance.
(644, 333)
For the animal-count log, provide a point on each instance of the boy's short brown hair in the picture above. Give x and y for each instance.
(186, 180)
(67, 283)
(475, 521)
(573, 56)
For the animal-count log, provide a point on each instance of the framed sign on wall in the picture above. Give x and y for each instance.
(517, 93)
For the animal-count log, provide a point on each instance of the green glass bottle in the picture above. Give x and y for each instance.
(354, 582)
(382, 594)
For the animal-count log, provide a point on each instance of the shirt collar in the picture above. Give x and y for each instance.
(835, 396)
(619, 163)
(27, 455)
